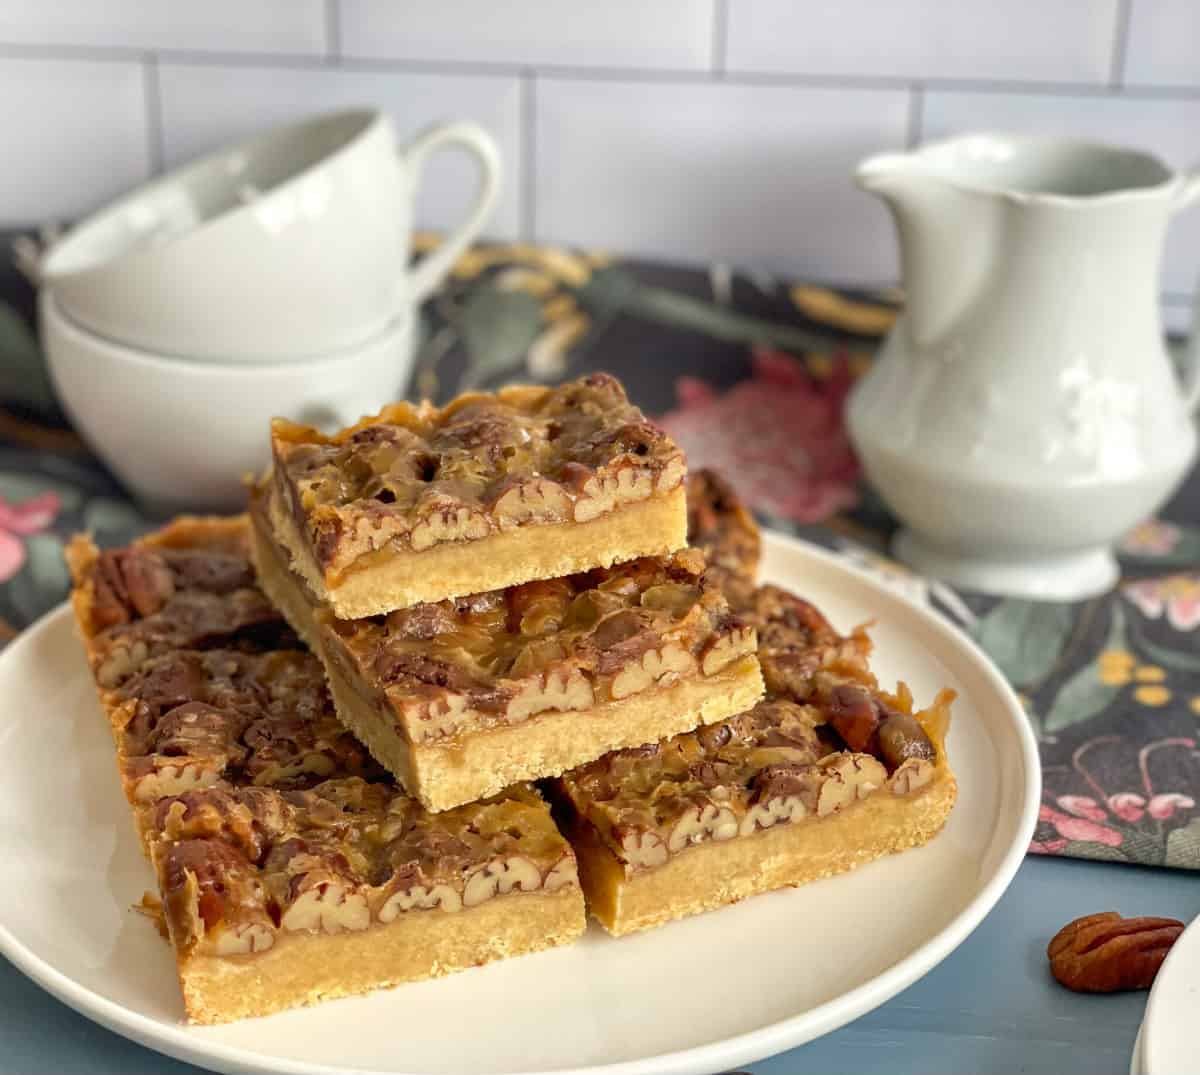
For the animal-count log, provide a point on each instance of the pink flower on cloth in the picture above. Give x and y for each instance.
(1082, 806)
(778, 437)
(1079, 828)
(1164, 806)
(1154, 537)
(1177, 595)
(20, 520)
(1127, 805)
(1047, 847)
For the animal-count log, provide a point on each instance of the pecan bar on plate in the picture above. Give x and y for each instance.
(460, 698)
(290, 868)
(771, 798)
(418, 504)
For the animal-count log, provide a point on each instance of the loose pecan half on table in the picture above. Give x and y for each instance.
(1105, 953)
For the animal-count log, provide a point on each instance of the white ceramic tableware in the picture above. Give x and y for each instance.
(1168, 1034)
(182, 435)
(1023, 413)
(707, 994)
(290, 245)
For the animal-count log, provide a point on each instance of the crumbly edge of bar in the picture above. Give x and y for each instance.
(285, 589)
(387, 735)
(483, 763)
(419, 949)
(391, 579)
(308, 968)
(714, 874)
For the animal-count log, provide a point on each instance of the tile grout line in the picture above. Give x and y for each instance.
(632, 75)
(527, 208)
(916, 114)
(152, 91)
(333, 33)
(1124, 14)
(720, 37)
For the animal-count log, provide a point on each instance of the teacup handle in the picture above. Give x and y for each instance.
(432, 268)
(1189, 187)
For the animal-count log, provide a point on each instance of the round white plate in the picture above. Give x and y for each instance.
(1135, 1061)
(1168, 1034)
(702, 995)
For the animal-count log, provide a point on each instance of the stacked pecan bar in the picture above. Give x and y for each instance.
(291, 869)
(826, 773)
(499, 589)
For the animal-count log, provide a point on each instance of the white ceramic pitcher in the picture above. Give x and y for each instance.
(1023, 413)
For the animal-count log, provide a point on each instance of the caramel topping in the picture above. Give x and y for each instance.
(265, 813)
(552, 644)
(417, 475)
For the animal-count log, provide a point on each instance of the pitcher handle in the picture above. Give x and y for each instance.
(1191, 366)
(1189, 187)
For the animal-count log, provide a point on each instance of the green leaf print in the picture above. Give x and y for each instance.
(16, 488)
(23, 375)
(1025, 638)
(43, 581)
(1090, 849)
(1084, 694)
(615, 290)
(1166, 656)
(498, 328)
(1183, 846)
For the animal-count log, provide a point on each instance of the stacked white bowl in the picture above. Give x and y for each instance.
(268, 279)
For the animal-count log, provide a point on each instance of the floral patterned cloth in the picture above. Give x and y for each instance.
(750, 374)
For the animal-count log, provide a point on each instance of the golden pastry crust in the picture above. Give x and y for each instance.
(377, 514)
(826, 772)
(274, 835)
(460, 698)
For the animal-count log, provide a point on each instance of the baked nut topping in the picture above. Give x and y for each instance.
(565, 644)
(264, 816)
(412, 477)
(720, 525)
(778, 763)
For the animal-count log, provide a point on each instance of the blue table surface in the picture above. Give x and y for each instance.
(990, 1007)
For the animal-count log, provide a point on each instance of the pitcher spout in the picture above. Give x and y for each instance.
(947, 239)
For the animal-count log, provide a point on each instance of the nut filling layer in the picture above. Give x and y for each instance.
(415, 477)
(263, 815)
(779, 763)
(501, 657)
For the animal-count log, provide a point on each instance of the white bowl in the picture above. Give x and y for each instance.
(285, 247)
(182, 435)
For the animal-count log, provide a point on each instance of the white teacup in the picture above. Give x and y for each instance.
(182, 435)
(291, 245)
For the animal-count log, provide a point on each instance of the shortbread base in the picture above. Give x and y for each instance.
(485, 762)
(309, 968)
(482, 763)
(712, 875)
(398, 578)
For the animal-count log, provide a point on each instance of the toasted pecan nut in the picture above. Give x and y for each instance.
(1105, 953)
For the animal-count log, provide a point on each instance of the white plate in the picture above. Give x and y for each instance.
(1168, 1034)
(703, 995)
(1135, 1061)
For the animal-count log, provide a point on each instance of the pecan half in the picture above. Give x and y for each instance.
(1105, 953)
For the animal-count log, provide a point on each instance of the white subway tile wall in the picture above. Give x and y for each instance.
(750, 174)
(672, 34)
(1164, 44)
(695, 129)
(255, 26)
(74, 136)
(1013, 40)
